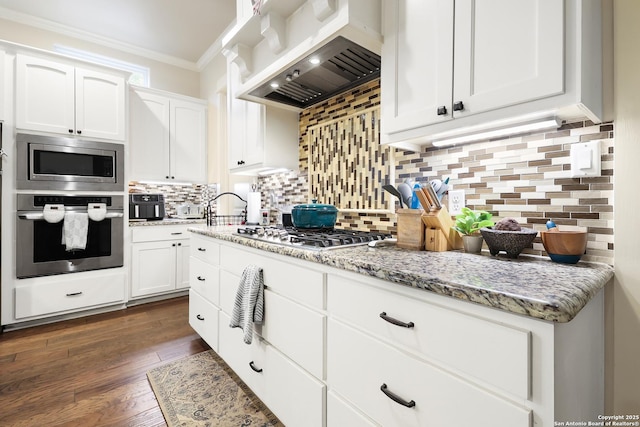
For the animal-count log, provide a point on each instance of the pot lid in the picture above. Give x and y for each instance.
(316, 207)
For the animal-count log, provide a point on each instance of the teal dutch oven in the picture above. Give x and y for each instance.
(314, 215)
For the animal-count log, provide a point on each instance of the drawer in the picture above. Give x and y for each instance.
(241, 357)
(205, 278)
(203, 318)
(497, 354)
(292, 394)
(300, 283)
(156, 233)
(205, 249)
(358, 366)
(66, 292)
(295, 330)
(340, 413)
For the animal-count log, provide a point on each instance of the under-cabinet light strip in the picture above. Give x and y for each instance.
(537, 125)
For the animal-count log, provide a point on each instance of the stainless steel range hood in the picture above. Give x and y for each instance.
(342, 65)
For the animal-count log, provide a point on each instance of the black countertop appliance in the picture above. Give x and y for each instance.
(148, 207)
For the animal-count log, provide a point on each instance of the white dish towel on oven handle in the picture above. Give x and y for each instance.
(74, 230)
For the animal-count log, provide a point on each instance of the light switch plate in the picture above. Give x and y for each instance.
(585, 159)
(456, 201)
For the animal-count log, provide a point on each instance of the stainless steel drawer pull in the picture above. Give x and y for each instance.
(253, 366)
(396, 398)
(396, 322)
(202, 249)
(199, 317)
(73, 294)
(200, 278)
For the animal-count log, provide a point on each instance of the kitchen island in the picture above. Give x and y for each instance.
(465, 340)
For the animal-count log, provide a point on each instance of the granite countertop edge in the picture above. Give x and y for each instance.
(528, 285)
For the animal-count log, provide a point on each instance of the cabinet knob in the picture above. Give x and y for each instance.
(79, 132)
(442, 111)
(458, 106)
(199, 317)
(173, 177)
(179, 244)
(70, 130)
(202, 249)
(173, 244)
(200, 278)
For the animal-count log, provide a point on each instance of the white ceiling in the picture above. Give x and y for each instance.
(179, 31)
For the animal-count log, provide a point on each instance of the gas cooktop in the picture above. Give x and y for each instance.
(316, 239)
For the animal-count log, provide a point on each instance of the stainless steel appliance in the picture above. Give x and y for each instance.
(189, 211)
(68, 164)
(341, 65)
(39, 247)
(312, 239)
(146, 206)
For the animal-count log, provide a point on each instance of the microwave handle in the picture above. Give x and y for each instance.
(39, 215)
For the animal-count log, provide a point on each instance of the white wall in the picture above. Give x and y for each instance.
(623, 317)
(163, 76)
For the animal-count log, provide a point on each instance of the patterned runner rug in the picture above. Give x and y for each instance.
(202, 390)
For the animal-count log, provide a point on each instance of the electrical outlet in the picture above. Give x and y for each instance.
(456, 201)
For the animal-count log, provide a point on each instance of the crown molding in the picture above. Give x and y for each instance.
(47, 25)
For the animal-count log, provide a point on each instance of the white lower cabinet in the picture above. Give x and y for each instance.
(159, 259)
(344, 349)
(67, 293)
(415, 393)
(340, 413)
(203, 318)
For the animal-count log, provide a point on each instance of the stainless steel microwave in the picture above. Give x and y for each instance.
(58, 163)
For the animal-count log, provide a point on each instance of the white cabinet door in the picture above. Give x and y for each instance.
(3, 89)
(150, 137)
(418, 68)
(254, 137)
(45, 99)
(507, 52)
(153, 268)
(168, 138)
(188, 125)
(417, 394)
(100, 105)
(183, 260)
(60, 98)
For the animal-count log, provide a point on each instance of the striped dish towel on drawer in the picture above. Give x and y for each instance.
(249, 305)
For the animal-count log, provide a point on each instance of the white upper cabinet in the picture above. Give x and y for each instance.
(61, 98)
(168, 137)
(506, 52)
(261, 138)
(469, 63)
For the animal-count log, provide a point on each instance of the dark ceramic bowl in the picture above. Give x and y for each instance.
(511, 242)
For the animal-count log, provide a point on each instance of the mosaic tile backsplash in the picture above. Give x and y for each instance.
(526, 177)
(347, 162)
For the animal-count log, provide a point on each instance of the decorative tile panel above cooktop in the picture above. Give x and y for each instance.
(347, 164)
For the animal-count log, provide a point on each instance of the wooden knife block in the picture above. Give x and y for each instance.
(439, 234)
(410, 229)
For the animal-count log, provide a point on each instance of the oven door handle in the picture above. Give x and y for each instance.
(35, 216)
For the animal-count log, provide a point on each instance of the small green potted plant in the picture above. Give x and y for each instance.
(468, 224)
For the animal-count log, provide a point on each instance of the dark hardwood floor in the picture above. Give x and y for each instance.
(92, 371)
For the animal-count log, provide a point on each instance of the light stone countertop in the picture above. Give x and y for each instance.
(528, 285)
(167, 221)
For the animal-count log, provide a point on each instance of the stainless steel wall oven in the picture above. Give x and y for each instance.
(40, 244)
(68, 164)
